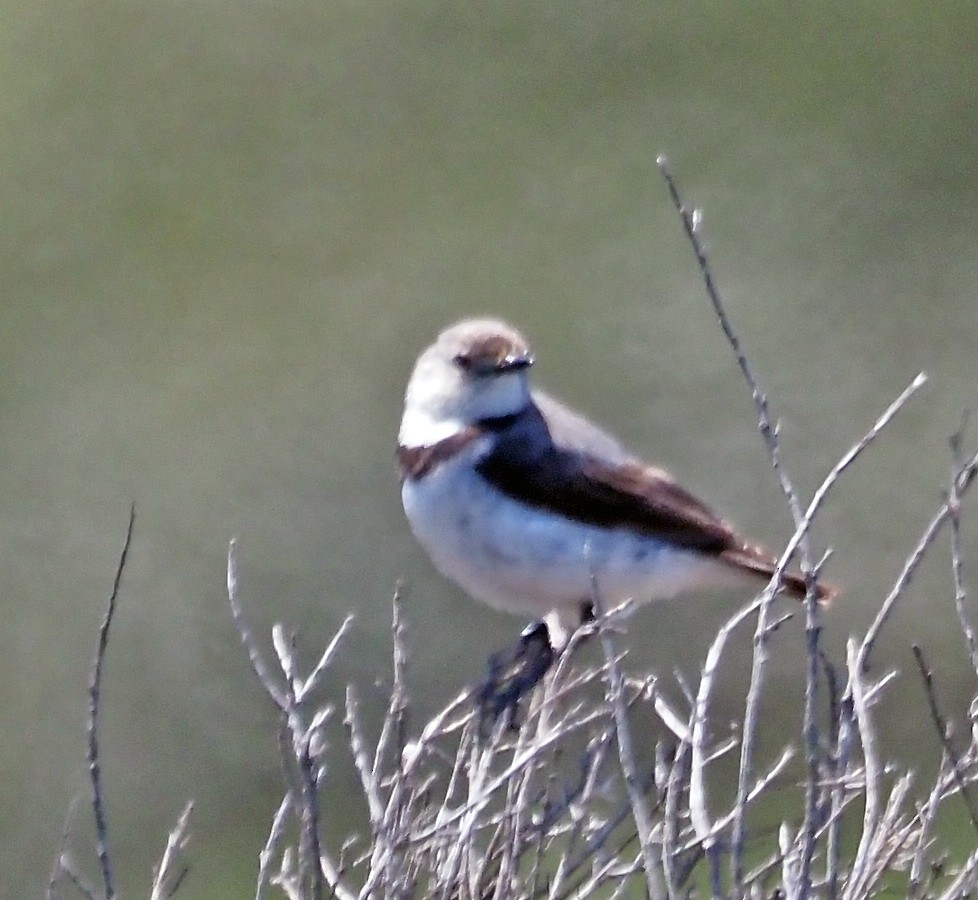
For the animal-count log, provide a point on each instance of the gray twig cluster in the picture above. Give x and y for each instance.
(573, 802)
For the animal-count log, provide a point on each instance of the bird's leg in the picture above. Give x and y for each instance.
(514, 673)
(535, 631)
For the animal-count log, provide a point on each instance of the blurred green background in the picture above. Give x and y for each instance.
(228, 229)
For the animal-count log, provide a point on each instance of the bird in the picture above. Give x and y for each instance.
(533, 509)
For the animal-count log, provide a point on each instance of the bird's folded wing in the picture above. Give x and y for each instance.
(596, 492)
(636, 496)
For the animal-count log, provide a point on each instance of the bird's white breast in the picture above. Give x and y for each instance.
(530, 561)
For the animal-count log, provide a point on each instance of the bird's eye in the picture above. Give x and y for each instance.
(463, 361)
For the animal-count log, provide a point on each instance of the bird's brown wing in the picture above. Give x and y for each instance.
(596, 492)
(416, 462)
(631, 495)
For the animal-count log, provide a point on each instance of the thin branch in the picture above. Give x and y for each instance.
(332, 875)
(77, 879)
(963, 479)
(957, 567)
(167, 881)
(394, 720)
(759, 787)
(926, 816)
(310, 855)
(305, 685)
(274, 836)
(963, 884)
(244, 632)
(867, 736)
(626, 754)
(944, 735)
(692, 222)
(478, 800)
(58, 867)
(697, 783)
(361, 758)
(95, 693)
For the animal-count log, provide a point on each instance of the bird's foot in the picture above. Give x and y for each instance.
(513, 674)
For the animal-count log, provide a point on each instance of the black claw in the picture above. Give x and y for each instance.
(513, 674)
(535, 631)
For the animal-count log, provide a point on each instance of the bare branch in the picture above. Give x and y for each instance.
(957, 567)
(274, 836)
(626, 755)
(304, 686)
(963, 884)
(76, 878)
(168, 878)
(867, 735)
(962, 481)
(244, 632)
(944, 734)
(58, 868)
(692, 222)
(95, 693)
(697, 788)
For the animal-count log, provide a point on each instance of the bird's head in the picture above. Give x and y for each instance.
(475, 370)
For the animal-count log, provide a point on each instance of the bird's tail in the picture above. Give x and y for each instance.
(755, 561)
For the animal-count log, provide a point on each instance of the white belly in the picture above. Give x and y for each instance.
(529, 561)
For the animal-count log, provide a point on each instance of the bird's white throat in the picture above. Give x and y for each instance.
(439, 403)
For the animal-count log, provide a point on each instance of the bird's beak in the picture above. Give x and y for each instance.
(515, 362)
